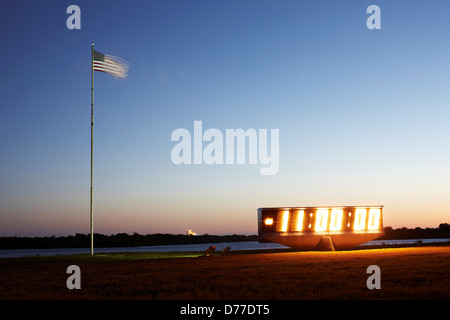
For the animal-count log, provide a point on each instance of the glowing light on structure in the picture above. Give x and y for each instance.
(282, 221)
(305, 227)
(297, 222)
(321, 220)
(336, 219)
(360, 219)
(374, 219)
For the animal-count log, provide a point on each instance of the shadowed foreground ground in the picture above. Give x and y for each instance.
(406, 273)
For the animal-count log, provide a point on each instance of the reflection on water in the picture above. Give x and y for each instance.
(245, 245)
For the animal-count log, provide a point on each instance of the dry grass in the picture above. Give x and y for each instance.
(406, 273)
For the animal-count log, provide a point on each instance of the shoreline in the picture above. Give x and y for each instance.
(200, 253)
(158, 239)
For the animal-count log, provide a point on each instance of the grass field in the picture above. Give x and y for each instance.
(406, 273)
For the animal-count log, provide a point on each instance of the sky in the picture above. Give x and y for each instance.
(363, 114)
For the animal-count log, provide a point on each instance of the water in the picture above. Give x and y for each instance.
(403, 241)
(201, 247)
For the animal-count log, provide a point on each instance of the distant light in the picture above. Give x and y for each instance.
(268, 222)
(190, 233)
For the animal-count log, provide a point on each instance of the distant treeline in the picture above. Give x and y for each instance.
(443, 231)
(80, 240)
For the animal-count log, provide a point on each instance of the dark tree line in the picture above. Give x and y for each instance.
(443, 231)
(80, 240)
(116, 240)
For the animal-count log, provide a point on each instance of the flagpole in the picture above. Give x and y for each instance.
(92, 151)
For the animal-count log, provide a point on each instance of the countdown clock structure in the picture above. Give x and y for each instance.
(320, 228)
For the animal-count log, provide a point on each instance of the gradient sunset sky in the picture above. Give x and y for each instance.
(363, 115)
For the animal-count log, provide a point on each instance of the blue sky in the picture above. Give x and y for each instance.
(362, 114)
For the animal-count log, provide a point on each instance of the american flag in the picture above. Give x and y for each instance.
(113, 65)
